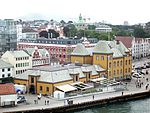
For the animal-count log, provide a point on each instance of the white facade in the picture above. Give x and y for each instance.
(6, 69)
(19, 59)
(7, 99)
(39, 56)
(140, 48)
(30, 35)
(6, 72)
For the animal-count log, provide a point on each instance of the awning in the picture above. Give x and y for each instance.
(98, 79)
(66, 88)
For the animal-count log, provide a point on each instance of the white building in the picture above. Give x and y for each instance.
(19, 59)
(103, 28)
(8, 95)
(31, 35)
(6, 69)
(40, 57)
(140, 46)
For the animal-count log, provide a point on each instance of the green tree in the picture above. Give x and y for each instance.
(139, 32)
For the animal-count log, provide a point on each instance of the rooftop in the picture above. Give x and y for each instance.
(4, 64)
(54, 74)
(66, 41)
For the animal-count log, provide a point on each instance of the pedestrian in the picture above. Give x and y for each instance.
(146, 86)
(34, 101)
(122, 93)
(93, 97)
(45, 102)
(147, 79)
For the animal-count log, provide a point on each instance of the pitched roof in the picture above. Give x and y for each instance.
(116, 53)
(19, 53)
(54, 74)
(4, 64)
(80, 50)
(102, 47)
(122, 48)
(31, 50)
(6, 89)
(126, 40)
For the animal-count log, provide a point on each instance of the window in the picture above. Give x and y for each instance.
(129, 70)
(114, 72)
(3, 70)
(109, 58)
(3, 75)
(8, 69)
(114, 64)
(121, 71)
(97, 57)
(109, 64)
(126, 62)
(102, 57)
(32, 79)
(8, 74)
(126, 70)
(129, 62)
(120, 63)
(47, 89)
(117, 63)
(41, 88)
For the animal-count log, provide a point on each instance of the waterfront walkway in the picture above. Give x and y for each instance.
(53, 103)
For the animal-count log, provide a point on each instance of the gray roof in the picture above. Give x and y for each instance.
(19, 53)
(58, 74)
(116, 53)
(4, 64)
(122, 48)
(72, 41)
(80, 50)
(102, 47)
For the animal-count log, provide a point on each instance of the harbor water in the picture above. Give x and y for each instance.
(137, 106)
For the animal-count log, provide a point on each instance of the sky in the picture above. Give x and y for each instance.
(110, 11)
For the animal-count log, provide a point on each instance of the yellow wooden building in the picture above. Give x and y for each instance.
(45, 79)
(110, 55)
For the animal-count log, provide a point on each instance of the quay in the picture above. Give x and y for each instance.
(84, 102)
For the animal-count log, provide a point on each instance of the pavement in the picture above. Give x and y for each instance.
(53, 102)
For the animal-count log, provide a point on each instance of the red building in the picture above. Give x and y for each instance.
(58, 48)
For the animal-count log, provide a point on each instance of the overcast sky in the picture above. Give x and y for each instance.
(112, 11)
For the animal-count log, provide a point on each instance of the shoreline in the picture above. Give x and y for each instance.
(87, 104)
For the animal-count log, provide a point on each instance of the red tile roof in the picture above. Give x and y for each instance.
(126, 40)
(6, 89)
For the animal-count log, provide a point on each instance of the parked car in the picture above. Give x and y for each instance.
(21, 99)
(141, 73)
(136, 75)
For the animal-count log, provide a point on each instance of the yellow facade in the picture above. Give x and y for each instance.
(81, 59)
(44, 88)
(21, 82)
(118, 68)
(48, 88)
